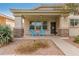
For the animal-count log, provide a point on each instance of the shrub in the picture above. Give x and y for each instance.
(25, 48)
(5, 34)
(76, 39)
(41, 44)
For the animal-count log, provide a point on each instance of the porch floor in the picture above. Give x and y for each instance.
(41, 37)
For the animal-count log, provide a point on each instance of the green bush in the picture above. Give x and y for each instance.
(76, 39)
(41, 44)
(5, 34)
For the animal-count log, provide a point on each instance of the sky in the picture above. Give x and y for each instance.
(5, 7)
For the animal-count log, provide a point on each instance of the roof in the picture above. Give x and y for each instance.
(54, 6)
(57, 8)
(6, 16)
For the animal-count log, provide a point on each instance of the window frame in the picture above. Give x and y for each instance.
(40, 26)
(75, 22)
(44, 26)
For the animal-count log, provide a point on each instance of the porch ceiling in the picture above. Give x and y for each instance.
(41, 17)
(51, 16)
(40, 13)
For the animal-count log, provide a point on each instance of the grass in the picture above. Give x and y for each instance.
(76, 41)
(25, 48)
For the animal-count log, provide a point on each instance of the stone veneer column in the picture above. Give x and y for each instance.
(18, 30)
(63, 30)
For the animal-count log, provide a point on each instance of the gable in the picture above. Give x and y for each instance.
(50, 7)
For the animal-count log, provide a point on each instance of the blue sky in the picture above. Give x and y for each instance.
(5, 7)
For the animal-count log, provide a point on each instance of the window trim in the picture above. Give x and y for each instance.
(39, 25)
(74, 21)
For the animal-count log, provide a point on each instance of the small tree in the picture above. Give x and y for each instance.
(72, 7)
(5, 34)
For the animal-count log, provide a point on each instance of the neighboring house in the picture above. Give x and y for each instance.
(45, 20)
(6, 20)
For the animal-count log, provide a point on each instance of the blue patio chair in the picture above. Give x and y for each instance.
(32, 32)
(42, 32)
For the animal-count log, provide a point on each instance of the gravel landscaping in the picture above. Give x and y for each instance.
(51, 50)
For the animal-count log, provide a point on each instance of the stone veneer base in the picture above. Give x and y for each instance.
(18, 33)
(63, 32)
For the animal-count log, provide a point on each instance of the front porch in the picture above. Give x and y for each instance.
(40, 25)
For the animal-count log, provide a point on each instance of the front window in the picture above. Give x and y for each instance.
(31, 27)
(38, 25)
(74, 22)
(45, 25)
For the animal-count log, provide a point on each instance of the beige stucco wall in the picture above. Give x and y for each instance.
(2, 20)
(73, 31)
(18, 22)
(7, 21)
(64, 23)
(11, 23)
(26, 27)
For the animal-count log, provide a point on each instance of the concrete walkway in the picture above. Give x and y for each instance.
(65, 47)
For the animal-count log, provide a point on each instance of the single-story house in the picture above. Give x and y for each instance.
(45, 20)
(6, 20)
